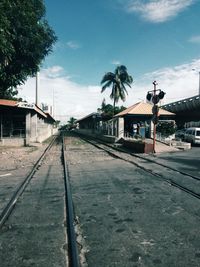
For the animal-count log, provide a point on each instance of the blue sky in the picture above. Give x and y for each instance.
(155, 39)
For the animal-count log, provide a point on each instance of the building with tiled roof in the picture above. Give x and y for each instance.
(142, 108)
(138, 114)
(124, 123)
(23, 123)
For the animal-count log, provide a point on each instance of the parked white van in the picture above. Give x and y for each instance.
(192, 135)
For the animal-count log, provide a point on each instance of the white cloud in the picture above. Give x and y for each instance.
(178, 82)
(53, 72)
(195, 39)
(74, 100)
(63, 45)
(158, 10)
(69, 98)
(115, 62)
(73, 45)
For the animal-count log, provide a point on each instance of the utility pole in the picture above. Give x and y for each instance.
(36, 88)
(53, 113)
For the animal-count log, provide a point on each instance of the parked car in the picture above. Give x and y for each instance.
(180, 134)
(192, 135)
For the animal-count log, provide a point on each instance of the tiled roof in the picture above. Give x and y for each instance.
(40, 111)
(50, 116)
(88, 116)
(141, 108)
(10, 103)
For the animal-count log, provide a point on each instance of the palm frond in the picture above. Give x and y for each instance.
(122, 95)
(124, 88)
(129, 79)
(127, 83)
(119, 80)
(109, 76)
(106, 85)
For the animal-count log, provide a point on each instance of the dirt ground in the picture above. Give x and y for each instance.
(12, 158)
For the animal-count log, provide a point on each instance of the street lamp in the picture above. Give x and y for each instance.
(155, 96)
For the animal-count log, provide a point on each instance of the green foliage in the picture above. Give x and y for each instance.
(72, 121)
(118, 81)
(57, 122)
(107, 109)
(166, 128)
(119, 109)
(26, 38)
(10, 94)
(71, 124)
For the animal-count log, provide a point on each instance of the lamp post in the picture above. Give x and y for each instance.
(155, 98)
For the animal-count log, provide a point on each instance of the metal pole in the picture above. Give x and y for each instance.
(36, 88)
(154, 125)
(53, 113)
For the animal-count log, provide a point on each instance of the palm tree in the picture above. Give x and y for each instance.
(118, 80)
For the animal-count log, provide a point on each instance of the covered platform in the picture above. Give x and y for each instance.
(187, 111)
(139, 116)
(135, 119)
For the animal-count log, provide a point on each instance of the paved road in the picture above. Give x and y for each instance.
(130, 218)
(188, 160)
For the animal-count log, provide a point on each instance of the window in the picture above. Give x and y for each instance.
(197, 133)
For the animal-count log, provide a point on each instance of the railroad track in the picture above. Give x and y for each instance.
(174, 177)
(6, 212)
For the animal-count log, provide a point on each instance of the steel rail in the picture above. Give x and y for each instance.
(169, 181)
(72, 243)
(10, 205)
(149, 160)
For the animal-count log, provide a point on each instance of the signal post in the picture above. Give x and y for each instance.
(155, 96)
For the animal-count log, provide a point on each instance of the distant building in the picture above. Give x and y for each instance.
(125, 123)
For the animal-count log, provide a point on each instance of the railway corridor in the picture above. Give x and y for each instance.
(34, 234)
(129, 217)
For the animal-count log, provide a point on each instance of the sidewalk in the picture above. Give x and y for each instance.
(161, 147)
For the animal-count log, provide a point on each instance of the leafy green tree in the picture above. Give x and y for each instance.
(118, 81)
(107, 109)
(71, 123)
(10, 94)
(166, 128)
(26, 38)
(119, 109)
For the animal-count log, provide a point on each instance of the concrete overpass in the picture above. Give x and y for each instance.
(186, 110)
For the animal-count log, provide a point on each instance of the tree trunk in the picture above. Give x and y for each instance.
(114, 107)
